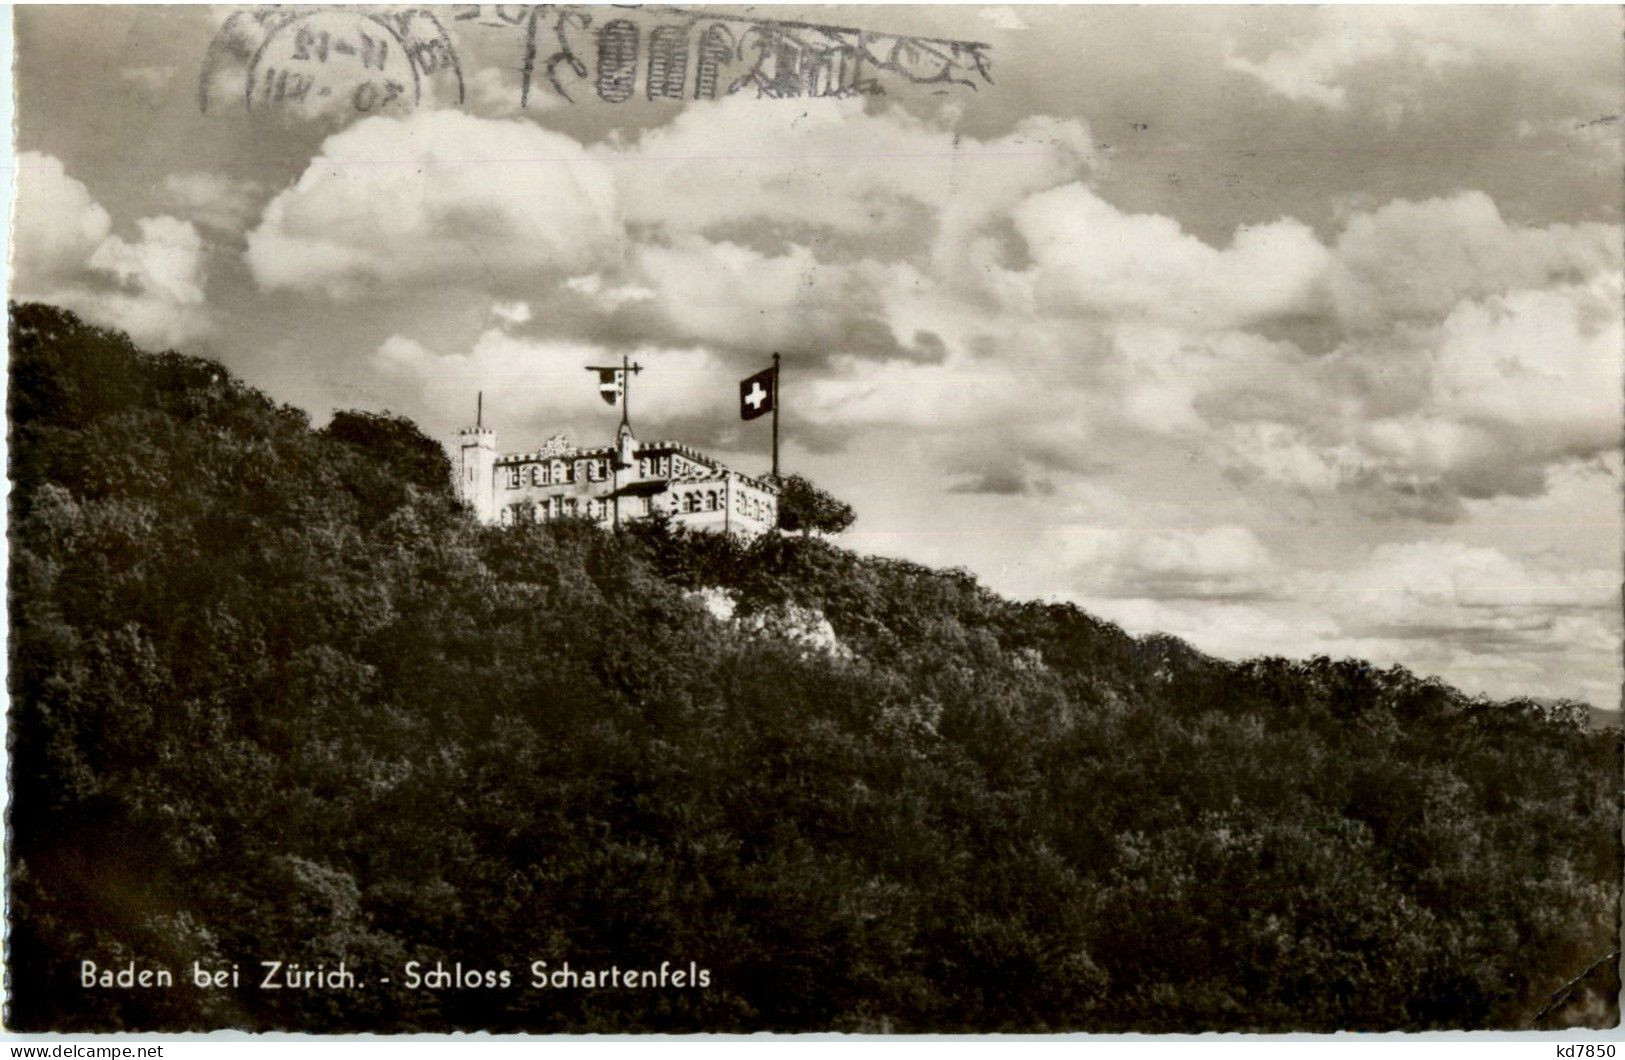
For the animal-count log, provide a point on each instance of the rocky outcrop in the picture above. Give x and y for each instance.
(803, 627)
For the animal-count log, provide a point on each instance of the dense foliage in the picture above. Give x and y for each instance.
(804, 507)
(276, 697)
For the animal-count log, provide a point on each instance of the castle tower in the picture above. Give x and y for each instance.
(476, 471)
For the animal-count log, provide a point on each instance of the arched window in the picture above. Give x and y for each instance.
(716, 48)
(691, 502)
(710, 500)
(617, 60)
(668, 62)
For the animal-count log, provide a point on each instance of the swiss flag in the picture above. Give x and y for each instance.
(756, 394)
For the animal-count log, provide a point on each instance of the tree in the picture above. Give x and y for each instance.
(805, 507)
(397, 442)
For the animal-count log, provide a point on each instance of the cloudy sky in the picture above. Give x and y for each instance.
(1286, 331)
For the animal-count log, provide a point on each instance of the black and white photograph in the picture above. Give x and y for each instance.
(868, 520)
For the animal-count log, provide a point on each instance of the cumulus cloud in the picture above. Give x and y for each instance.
(66, 253)
(809, 226)
(58, 226)
(214, 200)
(1417, 260)
(726, 294)
(164, 262)
(437, 197)
(1312, 73)
(1093, 258)
(1385, 52)
(1482, 404)
(1469, 355)
(1538, 369)
(834, 164)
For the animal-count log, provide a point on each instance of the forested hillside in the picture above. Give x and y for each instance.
(276, 697)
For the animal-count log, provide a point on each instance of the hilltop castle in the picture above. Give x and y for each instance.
(627, 480)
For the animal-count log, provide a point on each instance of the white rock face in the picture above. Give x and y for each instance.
(801, 626)
(804, 627)
(718, 601)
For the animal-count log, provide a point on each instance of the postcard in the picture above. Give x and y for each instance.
(566, 519)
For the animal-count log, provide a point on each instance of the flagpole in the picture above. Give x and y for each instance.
(775, 418)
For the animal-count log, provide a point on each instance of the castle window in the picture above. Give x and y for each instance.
(690, 502)
(513, 478)
(710, 500)
(537, 478)
(569, 506)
